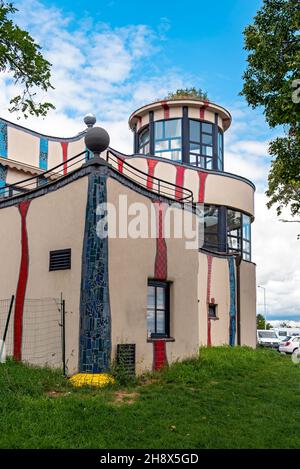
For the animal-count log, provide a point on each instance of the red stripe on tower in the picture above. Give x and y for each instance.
(151, 168)
(166, 109)
(22, 283)
(202, 180)
(139, 122)
(161, 258)
(202, 109)
(208, 299)
(64, 146)
(179, 181)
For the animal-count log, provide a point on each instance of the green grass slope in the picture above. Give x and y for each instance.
(227, 398)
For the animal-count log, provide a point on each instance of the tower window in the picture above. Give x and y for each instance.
(168, 139)
(144, 141)
(201, 144)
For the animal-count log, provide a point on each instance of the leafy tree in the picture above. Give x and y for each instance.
(188, 93)
(272, 80)
(21, 57)
(260, 322)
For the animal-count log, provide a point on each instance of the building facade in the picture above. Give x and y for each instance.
(147, 292)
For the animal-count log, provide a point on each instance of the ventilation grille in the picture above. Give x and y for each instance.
(126, 358)
(60, 260)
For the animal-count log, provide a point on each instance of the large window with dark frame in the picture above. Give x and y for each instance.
(167, 139)
(144, 141)
(211, 227)
(158, 309)
(201, 144)
(237, 231)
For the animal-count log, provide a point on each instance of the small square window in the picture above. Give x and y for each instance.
(212, 310)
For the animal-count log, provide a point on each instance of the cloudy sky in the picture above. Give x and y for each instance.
(111, 56)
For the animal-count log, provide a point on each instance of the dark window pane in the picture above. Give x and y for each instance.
(151, 297)
(160, 297)
(194, 131)
(207, 139)
(160, 322)
(208, 151)
(233, 220)
(158, 130)
(195, 148)
(150, 321)
(173, 128)
(211, 218)
(207, 128)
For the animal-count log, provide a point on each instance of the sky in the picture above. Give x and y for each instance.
(110, 57)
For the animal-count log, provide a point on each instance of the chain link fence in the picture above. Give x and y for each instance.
(43, 331)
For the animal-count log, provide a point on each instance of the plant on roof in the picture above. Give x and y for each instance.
(193, 92)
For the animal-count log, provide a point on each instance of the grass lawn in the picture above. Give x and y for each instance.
(228, 398)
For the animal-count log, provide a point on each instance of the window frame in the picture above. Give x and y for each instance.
(166, 286)
(223, 234)
(159, 153)
(142, 147)
(201, 155)
(214, 306)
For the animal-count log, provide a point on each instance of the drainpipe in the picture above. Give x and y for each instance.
(238, 260)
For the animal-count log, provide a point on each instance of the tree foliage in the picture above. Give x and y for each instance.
(20, 56)
(182, 93)
(272, 80)
(261, 323)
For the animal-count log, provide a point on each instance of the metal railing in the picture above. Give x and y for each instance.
(152, 183)
(34, 182)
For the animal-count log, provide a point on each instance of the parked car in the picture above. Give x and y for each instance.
(267, 338)
(290, 344)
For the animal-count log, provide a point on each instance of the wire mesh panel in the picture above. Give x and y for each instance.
(42, 339)
(4, 310)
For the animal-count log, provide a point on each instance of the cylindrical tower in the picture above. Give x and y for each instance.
(188, 131)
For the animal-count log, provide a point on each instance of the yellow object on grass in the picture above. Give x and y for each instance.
(92, 379)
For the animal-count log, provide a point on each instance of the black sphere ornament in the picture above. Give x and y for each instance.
(96, 139)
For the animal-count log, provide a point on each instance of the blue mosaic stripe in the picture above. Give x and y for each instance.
(89, 154)
(232, 310)
(43, 154)
(3, 139)
(3, 174)
(95, 318)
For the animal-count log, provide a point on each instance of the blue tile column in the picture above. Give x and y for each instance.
(232, 310)
(3, 174)
(3, 139)
(95, 318)
(43, 161)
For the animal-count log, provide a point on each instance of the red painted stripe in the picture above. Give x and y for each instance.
(64, 146)
(120, 164)
(166, 109)
(208, 298)
(151, 168)
(202, 109)
(159, 354)
(179, 181)
(22, 283)
(139, 121)
(202, 180)
(161, 258)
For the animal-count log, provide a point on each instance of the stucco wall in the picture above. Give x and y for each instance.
(54, 221)
(131, 264)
